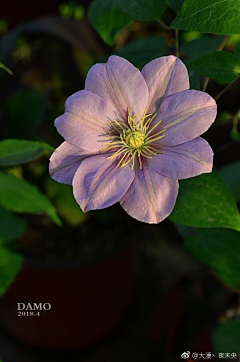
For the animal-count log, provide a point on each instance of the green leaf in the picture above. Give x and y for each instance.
(2, 66)
(25, 111)
(184, 230)
(236, 50)
(141, 51)
(175, 4)
(10, 265)
(15, 152)
(220, 250)
(226, 337)
(66, 205)
(11, 226)
(144, 10)
(209, 16)
(108, 18)
(199, 47)
(223, 66)
(8, 42)
(194, 77)
(205, 201)
(20, 196)
(231, 175)
(225, 116)
(194, 80)
(235, 135)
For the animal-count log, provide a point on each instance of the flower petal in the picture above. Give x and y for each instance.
(164, 76)
(183, 161)
(185, 116)
(85, 121)
(100, 183)
(151, 197)
(65, 161)
(119, 83)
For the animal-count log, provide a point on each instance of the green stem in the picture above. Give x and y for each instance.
(226, 89)
(164, 25)
(205, 84)
(223, 43)
(221, 46)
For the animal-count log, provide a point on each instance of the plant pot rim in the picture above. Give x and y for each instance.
(97, 258)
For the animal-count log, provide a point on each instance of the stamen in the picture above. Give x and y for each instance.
(134, 122)
(111, 137)
(157, 124)
(156, 134)
(114, 128)
(139, 159)
(133, 161)
(145, 155)
(133, 139)
(109, 145)
(141, 120)
(149, 121)
(152, 149)
(150, 153)
(128, 116)
(118, 152)
(122, 160)
(123, 140)
(154, 139)
(115, 123)
(119, 124)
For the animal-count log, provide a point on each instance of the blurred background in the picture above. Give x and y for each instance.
(120, 290)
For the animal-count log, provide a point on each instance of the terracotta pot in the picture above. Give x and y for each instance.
(88, 299)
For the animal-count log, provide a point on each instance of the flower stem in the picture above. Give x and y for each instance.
(226, 89)
(164, 25)
(177, 42)
(223, 43)
(205, 84)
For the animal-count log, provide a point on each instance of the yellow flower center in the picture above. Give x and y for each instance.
(136, 138)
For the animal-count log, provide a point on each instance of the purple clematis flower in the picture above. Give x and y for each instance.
(131, 135)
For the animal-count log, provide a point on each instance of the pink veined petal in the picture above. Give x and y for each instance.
(119, 83)
(183, 161)
(65, 161)
(186, 115)
(85, 121)
(164, 76)
(151, 197)
(100, 183)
